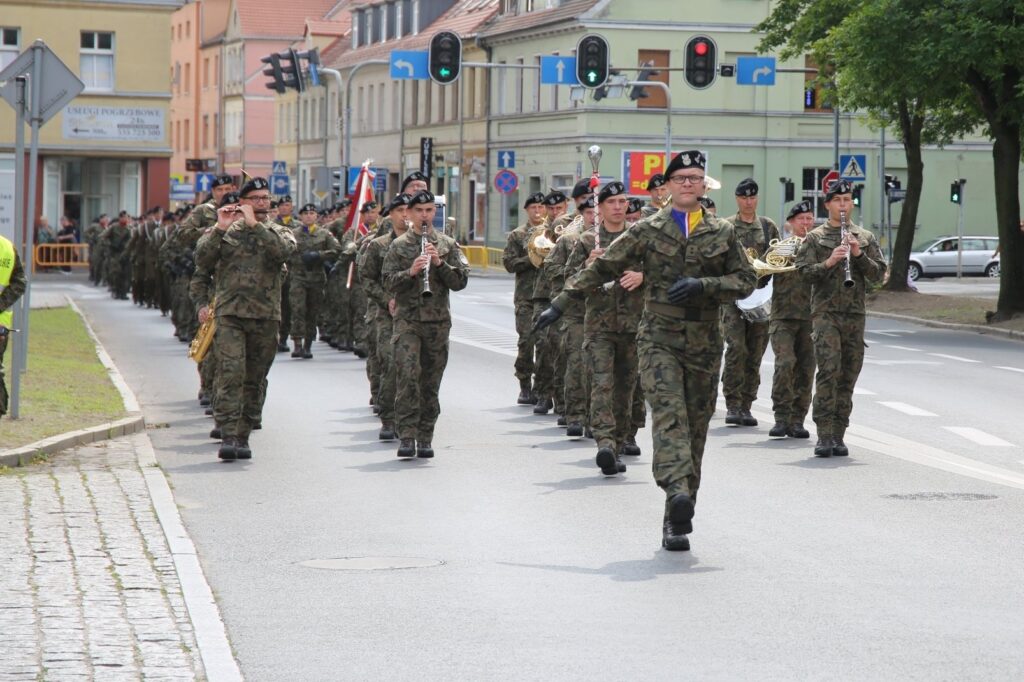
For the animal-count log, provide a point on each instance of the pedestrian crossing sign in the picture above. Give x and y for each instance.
(851, 167)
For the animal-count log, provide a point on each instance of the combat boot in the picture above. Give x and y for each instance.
(242, 449)
(387, 432)
(360, 353)
(562, 421)
(282, 345)
(574, 430)
(215, 433)
(543, 406)
(824, 446)
(423, 450)
(839, 448)
(673, 542)
(732, 416)
(228, 449)
(609, 462)
(797, 431)
(587, 433)
(307, 349)
(297, 343)
(679, 513)
(630, 447)
(525, 393)
(747, 419)
(780, 430)
(407, 448)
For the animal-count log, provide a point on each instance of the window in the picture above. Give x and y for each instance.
(188, 136)
(407, 17)
(502, 87)
(206, 73)
(381, 94)
(811, 189)
(216, 68)
(535, 90)
(371, 120)
(97, 60)
(362, 28)
(519, 86)
(655, 96)
(8, 45)
(391, 10)
(379, 25)
(206, 131)
(216, 129)
(188, 29)
(177, 135)
(188, 78)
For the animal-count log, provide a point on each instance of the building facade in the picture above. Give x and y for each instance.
(109, 149)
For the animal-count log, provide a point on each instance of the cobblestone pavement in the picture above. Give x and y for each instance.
(88, 587)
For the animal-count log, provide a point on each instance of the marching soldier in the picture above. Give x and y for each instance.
(334, 293)
(610, 326)
(657, 188)
(12, 286)
(285, 219)
(634, 211)
(245, 255)
(825, 258)
(151, 250)
(418, 261)
(790, 332)
(692, 263)
(314, 247)
(746, 341)
(92, 237)
(516, 259)
(117, 260)
(545, 351)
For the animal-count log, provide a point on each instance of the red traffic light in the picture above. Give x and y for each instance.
(700, 48)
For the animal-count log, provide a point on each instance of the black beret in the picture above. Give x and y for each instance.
(286, 199)
(838, 187)
(308, 207)
(657, 180)
(123, 214)
(368, 206)
(746, 188)
(635, 205)
(344, 203)
(402, 199)
(229, 198)
(222, 180)
(535, 198)
(804, 206)
(689, 159)
(254, 185)
(707, 203)
(412, 177)
(590, 202)
(556, 197)
(612, 189)
(273, 204)
(424, 196)
(581, 188)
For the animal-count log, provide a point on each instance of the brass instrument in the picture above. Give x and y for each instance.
(845, 237)
(573, 227)
(203, 339)
(538, 246)
(425, 292)
(780, 256)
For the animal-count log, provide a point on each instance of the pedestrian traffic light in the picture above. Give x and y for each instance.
(291, 68)
(337, 187)
(788, 189)
(444, 57)
(857, 189)
(956, 191)
(701, 62)
(646, 74)
(274, 62)
(593, 60)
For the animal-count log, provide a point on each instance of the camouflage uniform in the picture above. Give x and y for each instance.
(10, 292)
(246, 265)
(150, 251)
(421, 327)
(307, 280)
(383, 377)
(137, 257)
(288, 222)
(576, 375)
(335, 293)
(118, 266)
(353, 317)
(609, 346)
(516, 259)
(745, 341)
(680, 348)
(837, 320)
(180, 249)
(92, 236)
(790, 330)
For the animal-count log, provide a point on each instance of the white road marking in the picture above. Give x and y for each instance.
(953, 357)
(883, 333)
(978, 436)
(907, 409)
(482, 346)
(884, 363)
(912, 350)
(1012, 369)
(857, 390)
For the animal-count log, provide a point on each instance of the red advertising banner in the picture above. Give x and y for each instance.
(638, 167)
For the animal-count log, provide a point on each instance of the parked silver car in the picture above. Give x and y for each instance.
(937, 257)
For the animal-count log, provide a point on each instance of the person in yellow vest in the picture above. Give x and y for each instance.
(12, 286)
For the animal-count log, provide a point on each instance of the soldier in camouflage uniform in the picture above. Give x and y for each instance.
(657, 188)
(421, 323)
(545, 351)
(746, 341)
(334, 292)
(285, 218)
(692, 263)
(790, 331)
(837, 313)
(610, 325)
(516, 260)
(245, 256)
(151, 250)
(370, 273)
(118, 265)
(92, 237)
(137, 255)
(314, 247)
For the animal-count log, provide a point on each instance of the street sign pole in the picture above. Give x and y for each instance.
(960, 233)
(20, 311)
(33, 163)
(348, 108)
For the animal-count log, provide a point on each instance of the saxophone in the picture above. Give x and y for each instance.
(200, 345)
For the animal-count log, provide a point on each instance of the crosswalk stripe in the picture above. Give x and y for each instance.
(953, 357)
(978, 436)
(907, 409)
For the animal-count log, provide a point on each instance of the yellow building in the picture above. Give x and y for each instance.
(108, 149)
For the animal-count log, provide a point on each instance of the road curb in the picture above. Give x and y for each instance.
(24, 455)
(976, 328)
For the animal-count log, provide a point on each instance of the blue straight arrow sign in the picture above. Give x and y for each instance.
(409, 65)
(555, 70)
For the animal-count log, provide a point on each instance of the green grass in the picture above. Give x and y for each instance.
(65, 388)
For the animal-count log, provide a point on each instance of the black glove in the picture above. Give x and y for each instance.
(547, 318)
(684, 289)
(311, 258)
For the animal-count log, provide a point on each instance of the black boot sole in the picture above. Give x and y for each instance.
(676, 543)
(680, 513)
(606, 461)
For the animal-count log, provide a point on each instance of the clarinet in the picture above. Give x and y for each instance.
(425, 292)
(844, 235)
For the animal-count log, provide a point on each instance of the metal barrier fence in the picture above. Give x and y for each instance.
(61, 255)
(483, 256)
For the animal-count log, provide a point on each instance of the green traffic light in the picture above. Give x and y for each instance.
(592, 76)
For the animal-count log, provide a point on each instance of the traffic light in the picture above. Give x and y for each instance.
(593, 60)
(701, 62)
(444, 57)
(274, 62)
(956, 191)
(789, 189)
(336, 186)
(312, 58)
(810, 98)
(291, 68)
(857, 189)
(646, 74)
(601, 92)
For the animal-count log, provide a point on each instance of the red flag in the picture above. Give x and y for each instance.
(362, 195)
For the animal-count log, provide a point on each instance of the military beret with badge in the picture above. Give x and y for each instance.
(635, 205)
(657, 180)
(555, 198)
(804, 206)
(308, 207)
(838, 187)
(424, 196)
(413, 177)
(612, 189)
(535, 198)
(255, 185)
(747, 188)
(684, 160)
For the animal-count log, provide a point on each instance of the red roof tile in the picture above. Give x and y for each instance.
(527, 20)
(272, 18)
(334, 27)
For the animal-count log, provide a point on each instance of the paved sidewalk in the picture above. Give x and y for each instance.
(88, 585)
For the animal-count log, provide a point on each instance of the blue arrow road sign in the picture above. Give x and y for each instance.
(278, 168)
(852, 166)
(506, 158)
(755, 70)
(556, 70)
(380, 178)
(409, 64)
(204, 182)
(279, 184)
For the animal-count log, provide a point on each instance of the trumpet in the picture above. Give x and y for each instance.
(845, 237)
(425, 291)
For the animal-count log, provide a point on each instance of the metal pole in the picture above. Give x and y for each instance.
(33, 166)
(20, 225)
(668, 112)
(881, 205)
(835, 137)
(401, 132)
(960, 233)
(460, 164)
(782, 205)
(336, 77)
(348, 111)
